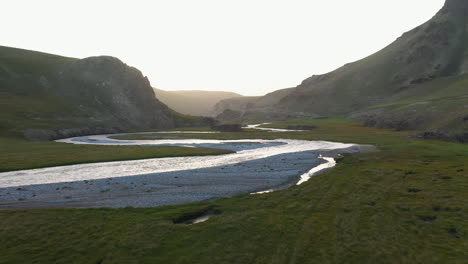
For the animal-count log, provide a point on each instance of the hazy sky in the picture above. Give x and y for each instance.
(247, 46)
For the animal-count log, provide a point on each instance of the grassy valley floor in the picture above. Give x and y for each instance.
(404, 204)
(20, 154)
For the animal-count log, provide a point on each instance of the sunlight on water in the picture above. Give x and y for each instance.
(246, 150)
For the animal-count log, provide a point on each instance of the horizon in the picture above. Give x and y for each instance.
(252, 56)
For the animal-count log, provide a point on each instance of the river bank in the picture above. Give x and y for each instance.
(257, 165)
(403, 204)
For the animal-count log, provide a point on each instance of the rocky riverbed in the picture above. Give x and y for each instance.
(257, 165)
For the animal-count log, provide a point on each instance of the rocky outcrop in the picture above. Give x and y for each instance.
(110, 92)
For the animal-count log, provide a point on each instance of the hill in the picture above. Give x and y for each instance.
(195, 103)
(45, 96)
(419, 82)
(237, 105)
(235, 109)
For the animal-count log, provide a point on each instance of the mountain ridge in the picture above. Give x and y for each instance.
(418, 65)
(45, 96)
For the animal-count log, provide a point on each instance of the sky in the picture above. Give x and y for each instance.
(251, 47)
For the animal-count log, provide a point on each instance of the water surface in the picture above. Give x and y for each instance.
(257, 165)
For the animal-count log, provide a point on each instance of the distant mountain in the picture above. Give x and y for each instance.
(235, 108)
(44, 96)
(419, 82)
(195, 103)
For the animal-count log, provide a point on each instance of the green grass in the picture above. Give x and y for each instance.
(24, 103)
(18, 154)
(435, 92)
(438, 105)
(332, 132)
(23, 112)
(205, 129)
(404, 204)
(309, 122)
(30, 62)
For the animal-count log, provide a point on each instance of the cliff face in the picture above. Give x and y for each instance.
(45, 96)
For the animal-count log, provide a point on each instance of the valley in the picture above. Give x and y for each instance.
(411, 189)
(365, 164)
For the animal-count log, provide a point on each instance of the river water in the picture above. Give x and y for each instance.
(256, 166)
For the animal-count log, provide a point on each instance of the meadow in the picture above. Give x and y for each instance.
(405, 203)
(20, 154)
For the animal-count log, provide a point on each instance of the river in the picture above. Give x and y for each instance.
(257, 166)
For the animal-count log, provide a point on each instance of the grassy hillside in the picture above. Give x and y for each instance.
(22, 96)
(29, 62)
(439, 107)
(45, 96)
(195, 103)
(431, 51)
(404, 204)
(416, 83)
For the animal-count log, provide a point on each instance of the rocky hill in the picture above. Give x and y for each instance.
(239, 105)
(419, 82)
(195, 103)
(234, 109)
(45, 96)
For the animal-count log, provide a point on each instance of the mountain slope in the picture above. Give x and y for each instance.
(411, 84)
(44, 96)
(434, 50)
(234, 109)
(195, 103)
